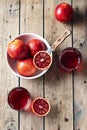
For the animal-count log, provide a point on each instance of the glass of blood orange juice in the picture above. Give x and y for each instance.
(19, 99)
(70, 59)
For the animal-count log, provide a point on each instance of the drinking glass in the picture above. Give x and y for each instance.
(70, 59)
(19, 99)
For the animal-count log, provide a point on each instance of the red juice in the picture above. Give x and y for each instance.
(70, 59)
(19, 98)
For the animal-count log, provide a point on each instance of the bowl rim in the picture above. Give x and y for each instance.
(29, 77)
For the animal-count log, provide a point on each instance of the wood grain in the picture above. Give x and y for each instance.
(80, 78)
(58, 85)
(9, 26)
(32, 21)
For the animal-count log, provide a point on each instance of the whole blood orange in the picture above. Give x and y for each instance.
(17, 49)
(26, 67)
(35, 45)
(63, 12)
(40, 106)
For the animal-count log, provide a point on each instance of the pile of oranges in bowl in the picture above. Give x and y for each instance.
(20, 53)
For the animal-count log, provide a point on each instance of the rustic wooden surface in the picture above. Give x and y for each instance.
(65, 92)
(9, 24)
(80, 79)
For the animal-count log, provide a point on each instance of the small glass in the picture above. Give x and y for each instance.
(19, 99)
(70, 59)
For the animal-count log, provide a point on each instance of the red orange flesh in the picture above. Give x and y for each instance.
(42, 60)
(40, 106)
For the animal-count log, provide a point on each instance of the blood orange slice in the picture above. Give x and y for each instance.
(42, 60)
(40, 106)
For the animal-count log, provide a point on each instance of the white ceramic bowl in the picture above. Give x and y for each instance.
(12, 63)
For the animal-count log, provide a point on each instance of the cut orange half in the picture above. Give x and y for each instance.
(42, 60)
(40, 106)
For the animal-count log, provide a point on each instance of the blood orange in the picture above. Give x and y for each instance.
(26, 67)
(35, 45)
(42, 60)
(40, 106)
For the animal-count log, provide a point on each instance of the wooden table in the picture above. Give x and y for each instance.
(67, 93)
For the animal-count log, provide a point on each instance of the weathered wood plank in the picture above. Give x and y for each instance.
(32, 21)
(9, 22)
(58, 85)
(80, 78)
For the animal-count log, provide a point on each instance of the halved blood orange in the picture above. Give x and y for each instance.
(42, 60)
(40, 106)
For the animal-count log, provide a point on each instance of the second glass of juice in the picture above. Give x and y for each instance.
(70, 59)
(19, 99)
